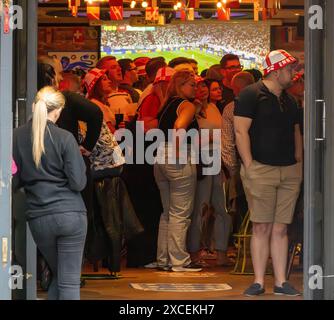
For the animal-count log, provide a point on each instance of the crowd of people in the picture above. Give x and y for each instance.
(85, 200)
(250, 41)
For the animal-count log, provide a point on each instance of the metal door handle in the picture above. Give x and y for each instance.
(16, 115)
(320, 125)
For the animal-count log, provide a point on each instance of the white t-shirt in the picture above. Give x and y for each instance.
(121, 102)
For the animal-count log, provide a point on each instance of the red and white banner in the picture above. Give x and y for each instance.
(193, 4)
(116, 9)
(152, 14)
(93, 11)
(74, 6)
(224, 14)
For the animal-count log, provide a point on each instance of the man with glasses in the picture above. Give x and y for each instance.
(230, 66)
(130, 76)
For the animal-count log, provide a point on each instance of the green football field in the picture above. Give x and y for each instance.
(205, 60)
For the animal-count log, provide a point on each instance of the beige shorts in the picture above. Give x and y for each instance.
(271, 191)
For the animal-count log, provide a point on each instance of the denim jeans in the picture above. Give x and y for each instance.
(210, 192)
(177, 183)
(61, 239)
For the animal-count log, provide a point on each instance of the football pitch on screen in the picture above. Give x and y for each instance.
(205, 60)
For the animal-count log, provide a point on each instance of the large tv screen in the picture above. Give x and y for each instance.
(205, 42)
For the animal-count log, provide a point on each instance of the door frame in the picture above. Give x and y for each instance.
(319, 156)
(6, 102)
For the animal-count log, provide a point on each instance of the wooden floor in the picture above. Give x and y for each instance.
(121, 290)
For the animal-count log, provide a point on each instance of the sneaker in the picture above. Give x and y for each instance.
(286, 290)
(189, 268)
(254, 290)
(152, 265)
(164, 268)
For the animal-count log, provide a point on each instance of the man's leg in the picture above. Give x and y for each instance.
(260, 248)
(287, 194)
(279, 252)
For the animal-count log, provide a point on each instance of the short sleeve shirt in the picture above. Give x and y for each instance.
(272, 132)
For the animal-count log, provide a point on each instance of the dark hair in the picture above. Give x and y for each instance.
(226, 58)
(214, 73)
(203, 73)
(193, 61)
(177, 61)
(257, 74)
(45, 75)
(208, 83)
(125, 65)
(102, 61)
(153, 66)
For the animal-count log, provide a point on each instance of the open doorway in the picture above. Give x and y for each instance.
(318, 222)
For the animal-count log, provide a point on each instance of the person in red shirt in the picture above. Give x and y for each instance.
(152, 104)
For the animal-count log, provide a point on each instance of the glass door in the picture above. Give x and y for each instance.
(319, 151)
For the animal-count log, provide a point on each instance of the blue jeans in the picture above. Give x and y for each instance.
(61, 239)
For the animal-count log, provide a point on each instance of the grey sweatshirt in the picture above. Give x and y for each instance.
(55, 186)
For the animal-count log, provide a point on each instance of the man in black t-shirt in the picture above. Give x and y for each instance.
(270, 145)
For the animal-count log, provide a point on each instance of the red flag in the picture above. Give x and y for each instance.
(223, 14)
(233, 4)
(116, 9)
(183, 16)
(264, 14)
(78, 35)
(73, 6)
(93, 11)
(152, 14)
(193, 4)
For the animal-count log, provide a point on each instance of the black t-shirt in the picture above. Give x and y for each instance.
(168, 117)
(78, 108)
(272, 132)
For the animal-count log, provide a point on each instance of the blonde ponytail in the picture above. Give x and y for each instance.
(47, 100)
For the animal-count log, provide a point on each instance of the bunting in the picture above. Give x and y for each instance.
(152, 14)
(116, 9)
(93, 11)
(224, 13)
(74, 5)
(193, 4)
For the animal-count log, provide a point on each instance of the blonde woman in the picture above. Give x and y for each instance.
(52, 172)
(176, 181)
